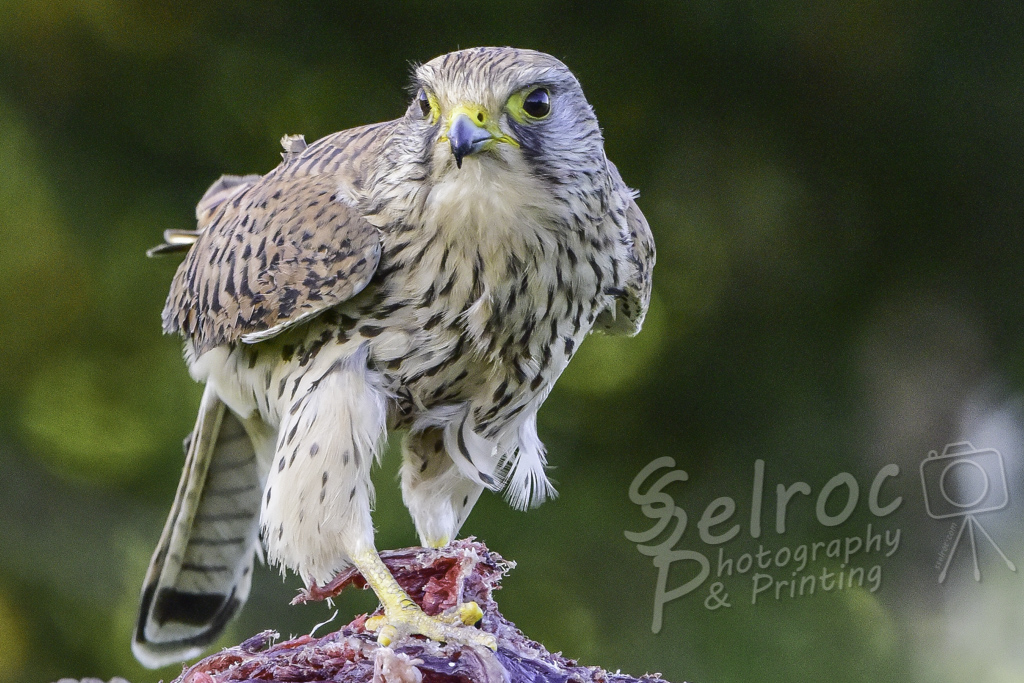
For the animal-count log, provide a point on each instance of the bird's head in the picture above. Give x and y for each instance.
(506, 108)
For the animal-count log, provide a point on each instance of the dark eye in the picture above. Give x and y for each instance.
(424, 102)
(537, 103)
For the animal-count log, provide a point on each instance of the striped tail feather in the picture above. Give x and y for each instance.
(200, 573)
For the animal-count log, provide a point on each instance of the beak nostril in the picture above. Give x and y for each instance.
(480, 116)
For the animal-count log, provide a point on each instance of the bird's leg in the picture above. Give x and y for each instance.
(438, 495)
(439, 498)
(403, 617)
(327, 440)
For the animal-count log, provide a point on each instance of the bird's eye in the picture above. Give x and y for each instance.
(424, 101)
(537, 104)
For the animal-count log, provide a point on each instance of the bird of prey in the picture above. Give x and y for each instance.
(435, 274)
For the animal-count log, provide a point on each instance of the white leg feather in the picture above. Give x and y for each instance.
(528, 484)
(316, 506)
(438, 494)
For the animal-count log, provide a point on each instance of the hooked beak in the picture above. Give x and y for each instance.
(466, 137)
(472, 130)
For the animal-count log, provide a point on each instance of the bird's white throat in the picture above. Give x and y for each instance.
(498, 204)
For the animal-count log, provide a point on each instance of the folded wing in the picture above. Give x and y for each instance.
(273, 251)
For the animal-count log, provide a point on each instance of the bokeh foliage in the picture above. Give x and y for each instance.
(836, 193)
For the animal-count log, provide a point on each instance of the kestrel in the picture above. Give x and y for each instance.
(435, 274)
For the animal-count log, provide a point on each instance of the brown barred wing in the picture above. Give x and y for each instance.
(279, 252)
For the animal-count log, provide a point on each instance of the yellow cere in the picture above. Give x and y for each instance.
(478, 115)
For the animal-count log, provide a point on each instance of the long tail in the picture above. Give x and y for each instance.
(200, 573)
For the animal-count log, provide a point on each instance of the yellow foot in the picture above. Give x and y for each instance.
(452, 626)
(402, 617)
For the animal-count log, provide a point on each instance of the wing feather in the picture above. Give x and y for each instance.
(631, 305)
(274, 251)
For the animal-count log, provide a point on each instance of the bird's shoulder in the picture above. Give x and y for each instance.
(348, 156)
(273, 251)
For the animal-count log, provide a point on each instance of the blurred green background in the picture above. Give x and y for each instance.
(836, 192)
